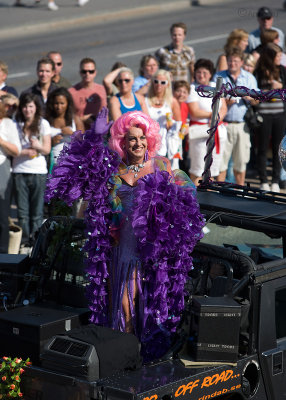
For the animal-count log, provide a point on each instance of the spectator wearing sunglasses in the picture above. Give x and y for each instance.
(88, 96)
(165, 109)
(110, 80)
(58, 79)
(126, 100)
(265, 21)
(177, 58)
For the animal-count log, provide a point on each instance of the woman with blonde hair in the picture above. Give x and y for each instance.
(165, 109)
(236, 38)
(125, 100)
(249, 62)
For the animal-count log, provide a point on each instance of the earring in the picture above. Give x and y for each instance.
(146, 157)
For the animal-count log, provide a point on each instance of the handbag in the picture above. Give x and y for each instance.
(252, 118)
(198, 131)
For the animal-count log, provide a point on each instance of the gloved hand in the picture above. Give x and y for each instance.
(101, 126)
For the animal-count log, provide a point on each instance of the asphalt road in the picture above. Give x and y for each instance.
(129, 37)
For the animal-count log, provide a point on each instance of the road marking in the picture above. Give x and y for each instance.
(189, 42)
(19, 74)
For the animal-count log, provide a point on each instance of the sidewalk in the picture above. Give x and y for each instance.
(33, 18)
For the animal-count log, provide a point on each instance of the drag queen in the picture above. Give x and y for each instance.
(143, 221)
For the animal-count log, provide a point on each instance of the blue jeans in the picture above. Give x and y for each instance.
(29, 192)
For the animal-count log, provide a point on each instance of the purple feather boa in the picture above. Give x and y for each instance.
(168, 224)
(82, 171)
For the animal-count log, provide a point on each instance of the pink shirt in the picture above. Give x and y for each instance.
(88, 100)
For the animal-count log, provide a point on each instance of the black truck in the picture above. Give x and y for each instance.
(231, 343)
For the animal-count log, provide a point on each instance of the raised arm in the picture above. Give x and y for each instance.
(109, 79)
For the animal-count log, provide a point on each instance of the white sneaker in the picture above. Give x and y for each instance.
(265, 186)
(82, 3)
(275, 187)
(52, 6)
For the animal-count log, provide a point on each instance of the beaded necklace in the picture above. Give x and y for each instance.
(135, 168)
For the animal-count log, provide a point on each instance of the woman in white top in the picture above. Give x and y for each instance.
(200, 109)
(165, 109)
(63, 121)
(30, 167)
(9, 146)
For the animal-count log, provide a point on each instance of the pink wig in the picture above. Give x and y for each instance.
(138, 119)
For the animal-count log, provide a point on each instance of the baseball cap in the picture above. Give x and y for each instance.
(264, 12)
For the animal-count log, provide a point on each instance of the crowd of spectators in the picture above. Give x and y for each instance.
(45, 115)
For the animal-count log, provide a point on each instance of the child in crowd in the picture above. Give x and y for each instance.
(181, 91)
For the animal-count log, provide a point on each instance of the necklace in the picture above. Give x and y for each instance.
(158, 102)
(135, 168)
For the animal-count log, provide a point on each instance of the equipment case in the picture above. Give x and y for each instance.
(215, 329)
(25, 330)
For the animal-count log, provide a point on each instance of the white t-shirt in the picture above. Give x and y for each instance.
(25, 164)
(66, 139)
(205, 103)
(9, 133)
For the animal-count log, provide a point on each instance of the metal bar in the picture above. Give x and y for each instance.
(210, 145)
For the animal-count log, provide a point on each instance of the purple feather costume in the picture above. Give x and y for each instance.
(145, 232)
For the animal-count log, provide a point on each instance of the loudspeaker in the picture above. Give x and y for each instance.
(92, 352)
(71, 357)
(25, 330)
(13, 268)
(214, 330)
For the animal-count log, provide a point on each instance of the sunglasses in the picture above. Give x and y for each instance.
(160, 82)
(124, 80)
(87, 71)
(58, 64)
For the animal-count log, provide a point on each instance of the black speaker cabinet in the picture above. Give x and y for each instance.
(214, 331)
(71, 357)
(25, 330)
(12, 270)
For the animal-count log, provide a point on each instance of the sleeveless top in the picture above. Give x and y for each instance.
(124, 109)
(158, 114)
